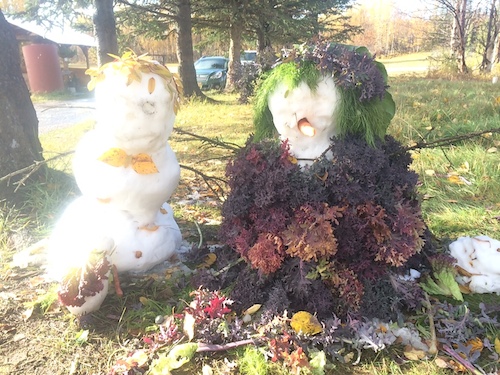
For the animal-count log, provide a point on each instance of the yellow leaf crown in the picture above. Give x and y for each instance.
(132, 66)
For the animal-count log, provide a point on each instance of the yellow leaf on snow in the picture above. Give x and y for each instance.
(143, 164)
(305, 323)
(115, 157)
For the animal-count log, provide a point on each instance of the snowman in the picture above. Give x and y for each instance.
(126, 172)
(331, 204)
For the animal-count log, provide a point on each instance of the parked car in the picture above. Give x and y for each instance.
(211, 72)
(248, 57)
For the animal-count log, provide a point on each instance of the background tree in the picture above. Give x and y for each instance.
(105, 29)
(491, 36)
(19, 144)
(157, 20)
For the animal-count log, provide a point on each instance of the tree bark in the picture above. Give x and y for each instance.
(458, 40)
(105, 29)
(185, 50)
(19, 143)
(486, 63)
(234, 70)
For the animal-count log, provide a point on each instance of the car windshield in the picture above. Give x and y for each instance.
(249, 55)
(210, 64)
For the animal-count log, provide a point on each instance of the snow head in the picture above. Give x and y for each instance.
(136, 102)
(306, 116)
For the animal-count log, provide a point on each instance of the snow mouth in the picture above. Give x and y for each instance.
(306, 128)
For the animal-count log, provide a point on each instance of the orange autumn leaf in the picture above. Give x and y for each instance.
(115, 157)
(151, 85)
(150, 227)
(143, 164)
(476, 344)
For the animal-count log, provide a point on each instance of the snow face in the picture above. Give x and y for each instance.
(306, 117)
(139, 116)
(480, 257)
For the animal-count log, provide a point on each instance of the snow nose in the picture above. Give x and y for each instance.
(306, 128)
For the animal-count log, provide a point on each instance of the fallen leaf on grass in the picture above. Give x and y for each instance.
(491, 150)
(252, 309)
(306, 323)
(413, 354)
(208, 261)
(27, 313)
(476, 344)
(441, 363)
(19, 337)
(82, 336)
(188, 326)
(497, 345)
(459, 180)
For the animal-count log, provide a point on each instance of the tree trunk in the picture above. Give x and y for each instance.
(486, 63)
(19, 143)
(234, 70)
(458, 40)
(263, 41)
(105, 29)
(185, 50)
(462, 66)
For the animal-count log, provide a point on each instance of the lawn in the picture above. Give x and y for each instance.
(458, 186)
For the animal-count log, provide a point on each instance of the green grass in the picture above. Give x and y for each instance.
(427, 110)
(432, 109)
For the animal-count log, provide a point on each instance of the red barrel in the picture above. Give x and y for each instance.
(43, 68)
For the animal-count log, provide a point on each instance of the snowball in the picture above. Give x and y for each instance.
(480, 257)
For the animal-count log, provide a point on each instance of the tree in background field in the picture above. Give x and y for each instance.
(389, 30)
(491, 39)
(19, 144)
